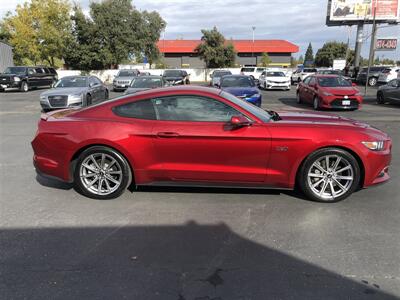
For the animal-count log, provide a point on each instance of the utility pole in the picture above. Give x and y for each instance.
(359, 40)
(371, 51)
(252, 48)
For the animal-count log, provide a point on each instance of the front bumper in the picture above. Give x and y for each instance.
(278, 86)
(120, 87)
(10, 85)
(339, 102)
(377, 166)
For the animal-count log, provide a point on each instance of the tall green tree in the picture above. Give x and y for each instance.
(309, 56)
(39, 31)
(265, 60)
(214, 50)
(330, 51)
(115, 32)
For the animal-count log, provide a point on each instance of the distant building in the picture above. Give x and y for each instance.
(6, 56)
(181, 54)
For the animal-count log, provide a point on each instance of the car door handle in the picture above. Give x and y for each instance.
(167, 134)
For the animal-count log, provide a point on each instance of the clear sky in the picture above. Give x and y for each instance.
(299, 22)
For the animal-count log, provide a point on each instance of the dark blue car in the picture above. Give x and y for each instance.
(242, 87)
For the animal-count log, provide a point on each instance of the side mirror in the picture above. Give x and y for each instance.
(240, 121)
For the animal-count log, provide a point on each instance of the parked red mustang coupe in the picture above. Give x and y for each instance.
(203, 136)
(329, 91)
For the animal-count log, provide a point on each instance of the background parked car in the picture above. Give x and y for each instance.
(73, 91)
(143, 83)
(176, 77)
(216, 76)
(329, 91)
(374, 74)
(253, 72)
(242, 87)
(388, 74)
(389, 92)
(299, 74)
(274, 80)
(25, 78)
(124, 78)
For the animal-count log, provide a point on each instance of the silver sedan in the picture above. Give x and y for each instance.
(74, 91)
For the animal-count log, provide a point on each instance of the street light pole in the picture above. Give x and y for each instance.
(252, 48)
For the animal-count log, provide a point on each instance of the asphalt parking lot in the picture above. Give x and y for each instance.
(187, 244)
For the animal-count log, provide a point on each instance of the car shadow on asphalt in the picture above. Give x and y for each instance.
(170, 262)
(53, 183)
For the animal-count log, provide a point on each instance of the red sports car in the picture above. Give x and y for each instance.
(329, 91)
(202, 136)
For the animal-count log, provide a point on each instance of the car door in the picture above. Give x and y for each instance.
(393, 90)
(40, 77)
(195, 142)
(311, 89)
(95, 89)
(32, 78)
(101, 89)
(303, 90)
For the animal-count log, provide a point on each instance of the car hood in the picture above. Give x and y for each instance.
(135, 90)
(64, 91)
(278, 79)
(175, 78)
(340, 91)
(326, 119)
(240, 91)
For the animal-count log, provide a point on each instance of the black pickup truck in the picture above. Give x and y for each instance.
(25, 78)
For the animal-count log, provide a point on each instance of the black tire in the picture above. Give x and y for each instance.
(125, 178)
(298, 98)
(380, 98)
(303, 181)
(88, 100)
(265, 86)
(24, 87)
(372, 81)
(316, 105)
(298, 80)
(291, 81)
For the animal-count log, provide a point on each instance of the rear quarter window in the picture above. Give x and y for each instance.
(142, 109)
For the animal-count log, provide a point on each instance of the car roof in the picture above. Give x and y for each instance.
(150, 76)
(188, 88)
(236, 76)
(76, 76)
(326, 75)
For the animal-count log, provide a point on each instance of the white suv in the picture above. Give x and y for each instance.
(299, 75)
(253, 72)
(388, 74)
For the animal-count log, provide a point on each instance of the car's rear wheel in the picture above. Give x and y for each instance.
(24, 87)
(298, 98)
(372, 81)
(101, 173)
(380, 98)
(329, 175)
(316, 103)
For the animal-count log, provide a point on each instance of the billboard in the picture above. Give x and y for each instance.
(353, 11)
(386, 44)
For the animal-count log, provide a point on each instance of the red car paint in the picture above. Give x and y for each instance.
(329, 97)
(262, 155)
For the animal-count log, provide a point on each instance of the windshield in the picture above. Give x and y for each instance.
(221, 73)
(255, 110)
(71, 82)
(127, 73)
(173, 73)
(146, 82)
(275, 74)
(247, 70)
(15, 70)
(333, 82)
(330, 72)
(237, 82)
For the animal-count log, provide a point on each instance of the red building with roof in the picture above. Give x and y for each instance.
(181, 53)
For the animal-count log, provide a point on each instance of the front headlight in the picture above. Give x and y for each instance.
(76, 97)
(374, 146)
(17, 79)
(43, 98)
(256, 96)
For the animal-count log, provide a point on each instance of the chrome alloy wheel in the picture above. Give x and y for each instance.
(330, 177)
(100, 174)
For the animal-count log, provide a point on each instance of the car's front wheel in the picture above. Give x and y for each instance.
(316, 103)
(380, 98)
(101, 173)
(329, 175)
(24, 87)
(372, 81)
(298, 98)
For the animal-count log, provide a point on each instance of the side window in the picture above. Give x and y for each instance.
(46, 70)
(31, 71)
(311, 81)
(142, 109)
(39, 70)
(97, 80)
(193, 108)
(307, 80)
(92, 81)
(263, 73)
